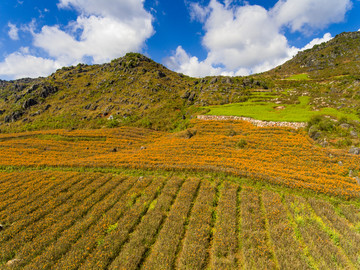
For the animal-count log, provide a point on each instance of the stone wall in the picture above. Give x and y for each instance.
(255, 122)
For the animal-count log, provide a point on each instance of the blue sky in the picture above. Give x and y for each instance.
(197, 38)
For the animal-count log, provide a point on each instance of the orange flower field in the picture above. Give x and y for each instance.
(276, 155)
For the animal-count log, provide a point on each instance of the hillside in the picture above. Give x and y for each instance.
(109, 167)
(134, 90)
(337, 57)
(130, 90)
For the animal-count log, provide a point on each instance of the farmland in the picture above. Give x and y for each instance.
(281, 156)
(91, 220)
(221, 195)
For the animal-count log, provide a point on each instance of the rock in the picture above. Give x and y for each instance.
(357, 178)
(91, 107)
(354, 134)
(213, 80)
(47, 107)
(140, 178)
(317, 135)
(142, 147)
(192, 96)
(354, 151)
(13, 262)
(226, 80)
(186, 95)
(13, 116)
(161, 74)
(29, 103)
(345, 126)
(48, 90)
(340, 163)
(324, 143)
(1, 227)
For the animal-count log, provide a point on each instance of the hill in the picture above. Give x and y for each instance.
(130, 90)
(337, 57)
(134, 90)
(108, 167)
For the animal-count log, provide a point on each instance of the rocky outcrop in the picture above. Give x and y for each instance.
(29, 103)
(13, 116)
(47, 90)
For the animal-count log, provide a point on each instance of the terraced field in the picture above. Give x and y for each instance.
(87, 220)
(221, 195)
(281, 156)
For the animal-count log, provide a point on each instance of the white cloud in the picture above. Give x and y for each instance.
(316, 41)
(125, 10)
(13, 31)
(21, 64)
(302, 14)
(101, 38)
(247, 39)
(108, 29)
(198, 13)
(103, 30)
(184, 63)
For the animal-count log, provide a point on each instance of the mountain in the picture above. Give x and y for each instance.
(339, 56)
(134, 90)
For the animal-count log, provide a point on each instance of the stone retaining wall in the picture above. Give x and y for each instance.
(255, 122)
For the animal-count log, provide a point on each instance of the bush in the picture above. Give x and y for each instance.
(241, 144)
(323, 123)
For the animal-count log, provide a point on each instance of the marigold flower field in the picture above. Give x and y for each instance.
(275, 202)
(276, 155)
(86, 220)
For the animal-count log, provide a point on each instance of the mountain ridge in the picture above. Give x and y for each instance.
(135, 90)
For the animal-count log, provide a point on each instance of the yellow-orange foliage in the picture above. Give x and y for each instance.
(277, 155)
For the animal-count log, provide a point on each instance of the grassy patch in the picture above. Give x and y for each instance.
(269, 111)
(299, 77)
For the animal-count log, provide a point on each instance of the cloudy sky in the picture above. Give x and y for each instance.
(197, 38)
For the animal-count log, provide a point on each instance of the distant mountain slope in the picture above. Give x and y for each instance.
(339, 56)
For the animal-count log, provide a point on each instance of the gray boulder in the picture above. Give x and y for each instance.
(345, 126)
(48, 90)
(354, 134)
(354, 151)
(13, 116)
(29, 103)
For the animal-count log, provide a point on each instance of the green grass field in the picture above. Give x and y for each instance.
(269, 111)
(299, 77)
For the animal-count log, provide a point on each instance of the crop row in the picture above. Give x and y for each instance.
(105, 221)
(277, 155)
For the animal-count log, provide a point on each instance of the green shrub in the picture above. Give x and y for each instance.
(241, 144)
